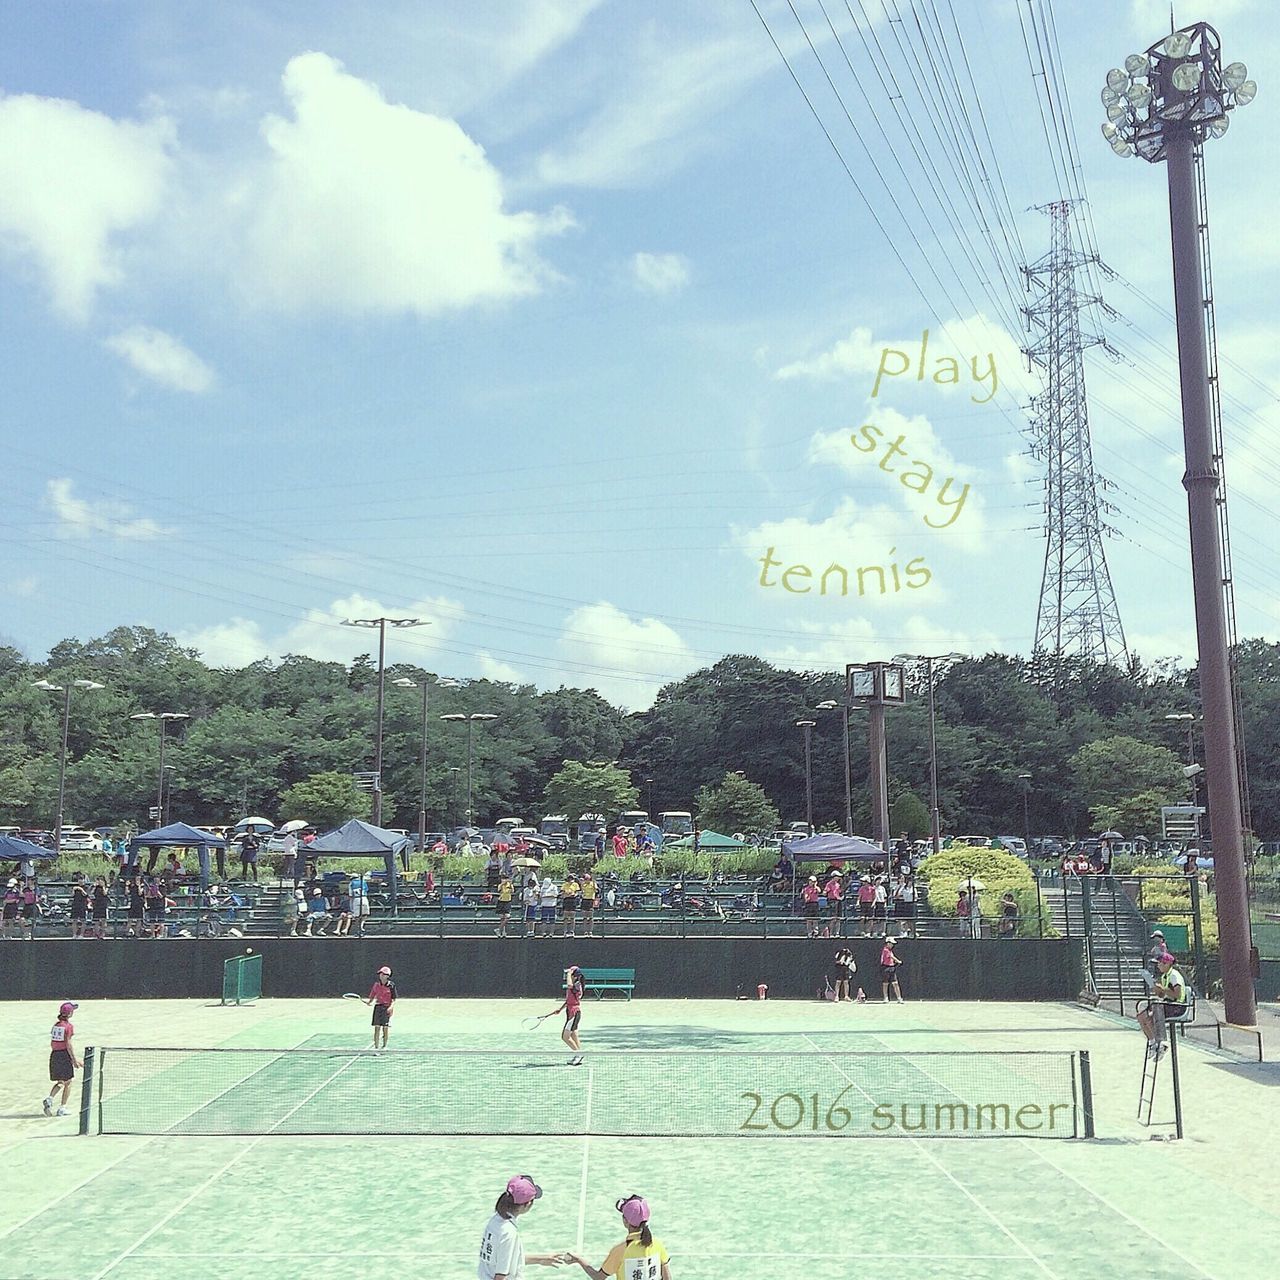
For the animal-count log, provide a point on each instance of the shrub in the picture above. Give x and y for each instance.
(998, 871)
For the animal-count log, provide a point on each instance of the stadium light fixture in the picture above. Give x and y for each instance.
(65, 690)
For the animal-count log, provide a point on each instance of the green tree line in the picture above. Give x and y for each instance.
(1094, 739)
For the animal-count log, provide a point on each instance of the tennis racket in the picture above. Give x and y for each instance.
(533, 1023)
(352, 995)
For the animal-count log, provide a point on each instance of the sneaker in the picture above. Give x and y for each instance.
(1161, 1050)
(48, 1107)
(62, 1111)
(1152, 1047)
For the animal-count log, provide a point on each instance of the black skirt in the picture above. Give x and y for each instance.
(60, 1065)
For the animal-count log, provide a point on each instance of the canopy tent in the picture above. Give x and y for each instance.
(832, 847)
(356, 839)
(15, 850)
(711, 841)
(177, 835)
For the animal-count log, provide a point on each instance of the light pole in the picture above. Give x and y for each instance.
(648, 782)
(1025, 779)
(382, 624)
(65, 690)
(163, 718)
(168, 794)
(454, 770)
(470, 719)
(1162, 106)
(405, 683)
(832, 705)
(807, 726)
(935, 817)
(1190, 720)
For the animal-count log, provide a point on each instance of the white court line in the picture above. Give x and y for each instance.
(586, 1153)
(946, 1173)
(209, 1181)
(702, 1253)
(1097, 1195)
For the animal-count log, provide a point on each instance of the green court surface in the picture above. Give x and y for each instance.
(752, 1205)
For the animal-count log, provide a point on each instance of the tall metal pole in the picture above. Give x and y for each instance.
(935, 817)
(164, 725)
(470, 821)
(879, 773)
(807, 726)
(377, 751)
(848, 771)
(1201, 484)
(62, 768)
(422, 792)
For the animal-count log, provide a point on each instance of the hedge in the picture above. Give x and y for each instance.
(999, 872)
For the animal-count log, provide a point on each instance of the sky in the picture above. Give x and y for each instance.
(556, 324)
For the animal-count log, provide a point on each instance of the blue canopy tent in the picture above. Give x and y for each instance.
(356, 839)
(16, 850)
(177, 835)
(832, 847)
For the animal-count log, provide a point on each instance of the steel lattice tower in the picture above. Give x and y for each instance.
(1077, 613)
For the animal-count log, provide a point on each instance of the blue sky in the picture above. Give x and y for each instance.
(543, 320)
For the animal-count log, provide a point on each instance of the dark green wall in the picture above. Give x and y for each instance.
(715, 968)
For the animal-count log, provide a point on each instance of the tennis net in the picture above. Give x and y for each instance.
(344, 1090)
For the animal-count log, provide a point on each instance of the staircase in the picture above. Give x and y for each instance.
(1118, 935)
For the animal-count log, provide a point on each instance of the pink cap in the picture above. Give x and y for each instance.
(1164, 957)
(66, 1007)
(634, 1210)
(523, 1190)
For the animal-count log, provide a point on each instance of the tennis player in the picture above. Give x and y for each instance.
(889, 963)
(62, 1059)
(639, 1256)
(502, 1255)
(382, 996)
(572, 1007)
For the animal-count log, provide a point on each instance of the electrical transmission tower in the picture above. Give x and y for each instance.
(1077, 613)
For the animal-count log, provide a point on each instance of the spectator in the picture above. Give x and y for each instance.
(505, 891)
(880, 905)
(249, 856)
(962, 911)
(904, 905)
(464, 847)
(318, 917)
(834, 894)
(530, 900)
(9, 927)
(136, 907)
(440, 848)
(101, 900)
(493, 870)
(548, 897)
(429, 881)
(153, 903)
(619, 845)
(590, 897)
(599, 845)
(1155, 949)
(809, 903)
(341, 908)
(1008, 915)
(866, 903)
(303, 929)
(508, 866)
(570, 897)
(975, 914)
(173, 868)
(289, 914)
(289, 863)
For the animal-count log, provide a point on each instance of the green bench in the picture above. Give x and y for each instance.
(602, 980)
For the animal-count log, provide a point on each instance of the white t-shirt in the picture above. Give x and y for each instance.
(550, 894)
(530, 897)
(501, 1250)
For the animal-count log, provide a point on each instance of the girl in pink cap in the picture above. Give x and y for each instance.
(62, 1059)
(640, 1256)
(502, 1255)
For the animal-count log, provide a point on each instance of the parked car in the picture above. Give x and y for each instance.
(78, 840)
(1015, 845)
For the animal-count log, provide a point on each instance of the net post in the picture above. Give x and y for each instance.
(86, 1088)
(1086, 1092)
(1177, 1083)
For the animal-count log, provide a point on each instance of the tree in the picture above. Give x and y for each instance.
(580, 788)
(736, 804)
(1135, 815)
(908, 816)
(1111, 771)
(326, 800)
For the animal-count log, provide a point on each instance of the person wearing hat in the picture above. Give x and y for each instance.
(1155, 949)
(9, 920)
(382, 995)
(809, 896)
(639, 1254)
(572, 1007)
(502, 1255)
(889, 963)
(62, 1059)
(1168, 1000)
(833, 890)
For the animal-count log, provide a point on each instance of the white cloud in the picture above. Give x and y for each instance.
(492, 668)
(72, 180)
(80, 518)
(645, 653)
(660, 272)
(375, 207)
(24, 588)
(320, 634)
(162, 358)
(858, 353)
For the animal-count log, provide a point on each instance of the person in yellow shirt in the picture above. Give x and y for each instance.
(570, 896)
(502, 899)
(640, 1256)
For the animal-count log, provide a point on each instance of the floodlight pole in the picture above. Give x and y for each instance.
(1186, 97)
(807, 726)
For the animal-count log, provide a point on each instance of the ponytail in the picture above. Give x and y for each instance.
(506, 1205)
(646, 1236)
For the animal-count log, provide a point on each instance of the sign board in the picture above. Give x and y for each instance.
(1180, 821)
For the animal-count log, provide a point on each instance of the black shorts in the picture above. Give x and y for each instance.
(811, 908)
(100, 915)
(904, 910)
(28, 913)
(79, 913)
(570, 908)
(888, 973)
(843, 973)
(834, 905)
(381, 1015)
(502, 908)
(60, 1065)
(11, 912)
(865, 908)
(571, 1021)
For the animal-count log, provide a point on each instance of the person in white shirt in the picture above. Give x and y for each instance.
(502, 1255)
(549, 896)
(530, 900)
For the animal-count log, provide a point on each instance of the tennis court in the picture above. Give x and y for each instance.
(776, 1202)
